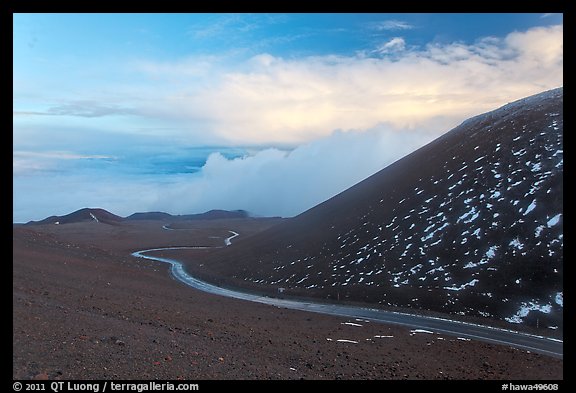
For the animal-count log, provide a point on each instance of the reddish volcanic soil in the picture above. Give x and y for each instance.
(83, 308)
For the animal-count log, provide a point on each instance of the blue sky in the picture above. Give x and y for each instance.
(189, 112)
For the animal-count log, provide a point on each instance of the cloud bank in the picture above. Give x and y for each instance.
(273, 100)
(269, 182)
(276, 100)
(274, 182)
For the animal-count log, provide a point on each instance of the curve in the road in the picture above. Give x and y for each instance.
(539, 344)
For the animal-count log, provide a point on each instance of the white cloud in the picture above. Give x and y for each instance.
(269, 182)
(221, 25)
(190, 67)
(79, 109)
(27, 162)
(271, 100)
(275, 182)
(391, 24)
(277, 100)
(396, 44)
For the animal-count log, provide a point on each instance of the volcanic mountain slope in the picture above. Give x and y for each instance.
(86, 214)
(471, 224)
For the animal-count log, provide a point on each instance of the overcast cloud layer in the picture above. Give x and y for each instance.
(310, 126)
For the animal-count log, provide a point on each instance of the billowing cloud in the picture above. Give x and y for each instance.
(275, 182)
(270, 99)
(396, 44)
(277, 100)
(269, 182)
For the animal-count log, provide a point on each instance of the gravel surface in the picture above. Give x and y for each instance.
(84, 309)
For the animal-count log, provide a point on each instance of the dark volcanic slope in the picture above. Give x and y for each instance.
(470, 224)
(86, 214)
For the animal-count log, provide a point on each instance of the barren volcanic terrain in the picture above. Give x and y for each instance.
(83, 308)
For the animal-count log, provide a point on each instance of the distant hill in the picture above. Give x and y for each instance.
(210, 215)
(82, 215)
(471, 224)
(103, 216)
(150, 216)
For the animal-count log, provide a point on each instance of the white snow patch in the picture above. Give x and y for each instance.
(539, 230)
(431, 234)
(461, 287)
(554, 220)
(302, 280)
(525, 309)
(383, 336)
(347, 341)
(491, 252)
(560, 163)
(412, 332)
(559, 299)
(516, 244)
(416, 268)
(530, 207)
(472, 212)
(350, 323)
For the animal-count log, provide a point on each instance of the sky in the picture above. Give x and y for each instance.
(270, 113)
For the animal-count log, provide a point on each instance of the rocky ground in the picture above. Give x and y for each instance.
(83, 308)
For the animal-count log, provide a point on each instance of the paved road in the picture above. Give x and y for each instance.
(538, 344)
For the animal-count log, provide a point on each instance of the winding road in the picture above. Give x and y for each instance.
(538, 344)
